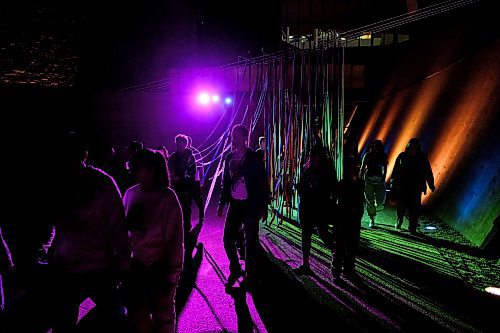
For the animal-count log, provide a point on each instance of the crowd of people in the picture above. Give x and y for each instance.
(127, 252)
(324, 201)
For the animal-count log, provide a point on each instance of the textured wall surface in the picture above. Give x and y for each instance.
(444, 90)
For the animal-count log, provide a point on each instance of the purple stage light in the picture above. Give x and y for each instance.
(203, 98)
(228, 100)
(215, 98)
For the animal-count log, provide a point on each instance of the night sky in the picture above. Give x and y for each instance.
(115, 44)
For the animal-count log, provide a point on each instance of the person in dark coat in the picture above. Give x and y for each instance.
(182, 170)
(412, 173)
(350, 192)
(316, 189)
(90, 249)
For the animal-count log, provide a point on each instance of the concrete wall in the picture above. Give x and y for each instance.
(443, 88)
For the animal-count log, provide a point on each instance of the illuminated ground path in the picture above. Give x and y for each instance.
(407, 283)
(209, 308)
(434, 281)
(204, 305)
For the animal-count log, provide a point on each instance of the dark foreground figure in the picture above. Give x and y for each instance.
(245, 189)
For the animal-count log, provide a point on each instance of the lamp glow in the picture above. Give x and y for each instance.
(203, 98)
(493, 290)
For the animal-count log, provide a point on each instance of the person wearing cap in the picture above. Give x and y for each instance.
(411, 176)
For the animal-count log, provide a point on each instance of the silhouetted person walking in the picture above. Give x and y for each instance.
(154, 218)
(91, 244)
(182, 169)
(348, 226)
(244, 188)
(412, 173)
(373, 171)
(316, 189)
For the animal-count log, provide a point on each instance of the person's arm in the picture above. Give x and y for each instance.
(429, 177)
(200, 169)
(386, 163)
(396, 172)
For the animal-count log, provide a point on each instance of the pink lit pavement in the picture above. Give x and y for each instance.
(205, 305)
(209, 308)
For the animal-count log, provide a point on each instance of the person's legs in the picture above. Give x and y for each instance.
(370, 202)
(185, 202)
(402, 206)
(102, 289)
(139, 308)
(231, 229)
(198, 201)
(352, 243)
(307, 229)
(163, 305)
(339, 247)
(67, 299)
(414, 210)
(380, 195)
(251, 227)
(325, 234)
(240, 243)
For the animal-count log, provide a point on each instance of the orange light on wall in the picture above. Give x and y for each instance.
(456, 139)
(370, 125)
(416, 115)
(393, 111)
